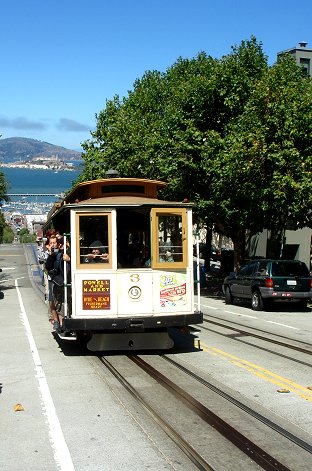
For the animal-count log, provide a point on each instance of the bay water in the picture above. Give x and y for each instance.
(29, 183)
(35, 181)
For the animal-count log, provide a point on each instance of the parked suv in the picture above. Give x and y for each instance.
(263, 281)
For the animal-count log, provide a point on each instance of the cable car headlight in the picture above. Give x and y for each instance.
(134, 292)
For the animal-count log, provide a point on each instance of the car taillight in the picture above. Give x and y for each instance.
(269, 283)
(310, 283)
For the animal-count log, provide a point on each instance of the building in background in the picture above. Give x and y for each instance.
(295, 245)
(34, 222)
(302, 55)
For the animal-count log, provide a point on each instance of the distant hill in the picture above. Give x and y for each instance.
(14, 149)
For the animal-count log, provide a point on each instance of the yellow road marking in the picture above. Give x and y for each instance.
(261, 372)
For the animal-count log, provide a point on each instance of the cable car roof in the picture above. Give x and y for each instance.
(114, 186)
(112, 192)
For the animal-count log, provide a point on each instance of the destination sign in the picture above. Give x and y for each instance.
(95, 294)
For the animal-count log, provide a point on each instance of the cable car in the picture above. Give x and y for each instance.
(131, 269)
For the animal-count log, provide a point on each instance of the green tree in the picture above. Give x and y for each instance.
(2, 226)
(3, 197)
(263, 175)
(3, 188)
(148, 133)
(233, 135)
(8, 235)
(25, 236)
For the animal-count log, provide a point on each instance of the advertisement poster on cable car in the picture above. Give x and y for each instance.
(173, 290)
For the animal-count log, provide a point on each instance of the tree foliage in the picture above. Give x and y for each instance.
(25, 236)
(2, 226)
(3, 197)
(8, 235)
(3, 188)
(233, 135)
(266, 160)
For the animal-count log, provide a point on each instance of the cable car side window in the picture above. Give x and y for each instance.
(169, 238)
(93, 248)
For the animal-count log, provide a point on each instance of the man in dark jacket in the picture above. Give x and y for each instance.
(53, 266)
(50, 267)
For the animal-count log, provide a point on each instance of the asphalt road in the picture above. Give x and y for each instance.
(59, 413)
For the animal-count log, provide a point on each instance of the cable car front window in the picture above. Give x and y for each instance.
(93, 239)
(133, 238)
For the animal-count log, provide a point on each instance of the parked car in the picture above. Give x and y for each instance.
(265, 281)
(215, 253)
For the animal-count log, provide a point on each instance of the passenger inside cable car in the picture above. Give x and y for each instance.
(93, 235)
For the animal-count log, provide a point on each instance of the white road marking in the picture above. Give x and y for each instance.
(240, 314)
(8, 268)
(230, 312)
(61, 453)
(283, 325)
(252, 317)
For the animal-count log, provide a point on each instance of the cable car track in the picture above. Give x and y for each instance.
(195, 457)
(301, 443)
(258, 336)
(240, 441)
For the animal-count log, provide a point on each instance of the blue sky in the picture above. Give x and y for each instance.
(61, 60)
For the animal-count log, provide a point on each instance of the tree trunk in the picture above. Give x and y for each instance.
(208, 248)
(239, 242)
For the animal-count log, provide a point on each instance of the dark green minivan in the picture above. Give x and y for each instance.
(264, 281)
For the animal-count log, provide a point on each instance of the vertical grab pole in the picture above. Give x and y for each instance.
(65, 277)
(198, 271)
